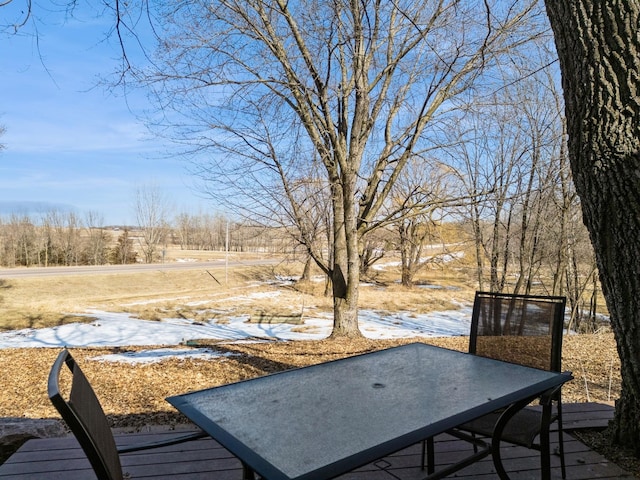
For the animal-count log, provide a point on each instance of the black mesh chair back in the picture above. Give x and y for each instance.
(500, 321)
(83, 414)
(80, 408)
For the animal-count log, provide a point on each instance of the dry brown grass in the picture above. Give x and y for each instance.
(152, 295)
(49, 301)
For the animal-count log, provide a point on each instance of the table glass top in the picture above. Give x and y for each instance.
(341, 413)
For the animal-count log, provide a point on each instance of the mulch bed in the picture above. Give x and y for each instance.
(134, 394)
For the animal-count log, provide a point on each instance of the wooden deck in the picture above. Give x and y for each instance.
(52, 459)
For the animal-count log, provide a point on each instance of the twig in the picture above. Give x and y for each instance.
(213, 277)
(610, 380)
(584, 376)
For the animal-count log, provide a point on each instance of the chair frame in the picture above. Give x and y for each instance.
(86, 419)
(555, 331)
(546, 400)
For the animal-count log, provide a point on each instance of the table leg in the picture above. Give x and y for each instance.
(247, 472)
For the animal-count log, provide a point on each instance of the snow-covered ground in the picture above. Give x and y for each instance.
(120, 329)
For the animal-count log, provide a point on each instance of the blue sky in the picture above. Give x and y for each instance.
(69, 143)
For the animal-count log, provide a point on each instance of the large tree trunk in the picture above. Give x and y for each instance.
(599, 49)
(345, 275)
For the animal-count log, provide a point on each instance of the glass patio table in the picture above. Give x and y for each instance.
(324, 420)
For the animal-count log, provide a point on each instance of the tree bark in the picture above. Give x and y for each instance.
(599, 50)
(346, 265)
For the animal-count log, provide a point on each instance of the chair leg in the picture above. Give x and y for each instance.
(563, 466)
(497, 438)
(561, 441)
(429, 456)
(497, 459)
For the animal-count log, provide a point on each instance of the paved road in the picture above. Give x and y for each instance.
(35, 272)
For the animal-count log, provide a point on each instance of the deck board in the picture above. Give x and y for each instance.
(62, 458)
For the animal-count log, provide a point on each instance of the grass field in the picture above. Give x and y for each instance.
(50, 301)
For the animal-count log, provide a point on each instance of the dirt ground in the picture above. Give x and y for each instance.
(133, 395)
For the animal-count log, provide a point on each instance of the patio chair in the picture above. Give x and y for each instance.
(83, 414)
(527, 330)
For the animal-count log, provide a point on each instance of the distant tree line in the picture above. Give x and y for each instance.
(217, 233)
(55, 239)
(65, 239)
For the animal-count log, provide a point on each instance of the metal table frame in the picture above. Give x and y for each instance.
(324, 420)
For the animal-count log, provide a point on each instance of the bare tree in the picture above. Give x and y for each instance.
(201, 232)
(269, 86)
(538, 122)
(152, 214)
(490, 159)
(510, 155)
(65, 232)
(19, 241)
(599, 50)
(373, 248)
(570, 255)
(46, 253)
(185, 231)
(424, 193)
(96, 240)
